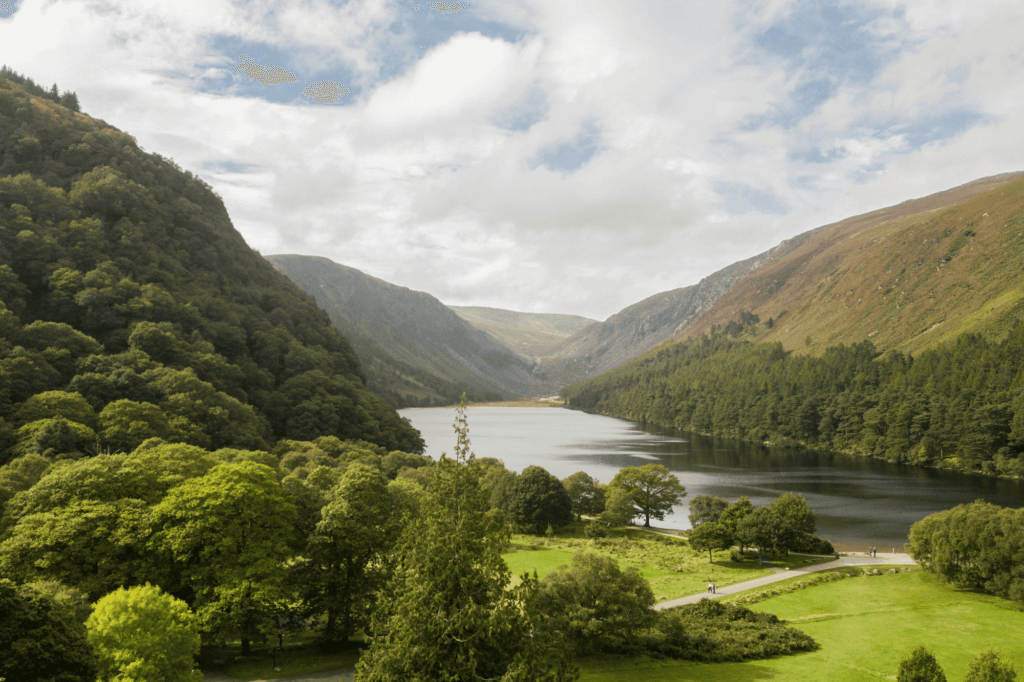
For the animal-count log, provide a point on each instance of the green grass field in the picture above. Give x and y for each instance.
(864, 626)
(672, 568)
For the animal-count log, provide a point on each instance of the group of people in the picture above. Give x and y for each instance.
(711, 588)
(873, 551)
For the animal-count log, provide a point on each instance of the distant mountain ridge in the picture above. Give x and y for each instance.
(531, 335)
(413, 349)
(493, 353)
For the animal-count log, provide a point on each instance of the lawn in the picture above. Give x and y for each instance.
(864, 626)
(668, 563)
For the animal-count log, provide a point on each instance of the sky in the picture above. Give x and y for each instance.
(551, 157)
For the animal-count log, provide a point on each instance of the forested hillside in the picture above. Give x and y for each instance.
(130, 308)
(958, 406)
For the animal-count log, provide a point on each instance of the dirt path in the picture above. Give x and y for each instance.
(782, 574)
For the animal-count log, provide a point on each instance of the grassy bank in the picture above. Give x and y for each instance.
(864, 626)
(673, 569)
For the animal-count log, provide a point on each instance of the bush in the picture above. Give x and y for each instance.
(988, 667)
(712, 631)
(594, 530)
(920, 666)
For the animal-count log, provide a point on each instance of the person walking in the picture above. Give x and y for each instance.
(710, 587)
(713, 588)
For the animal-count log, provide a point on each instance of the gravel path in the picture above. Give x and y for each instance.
(782, 574)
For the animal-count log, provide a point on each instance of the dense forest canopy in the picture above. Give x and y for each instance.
(959, 406)
(131, 308)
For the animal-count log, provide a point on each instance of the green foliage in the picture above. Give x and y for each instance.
(988, 667)
(144, 634)
(594, 604)
(958, 406)
(619, 507)
(712, 631)
(920, 666)
(710, 536)
(228, 533)
(652, 489)
(538, 500)
(123, 280)
(449, 612)
(584, 494)
(976, 545)
(347, 556)
(40, 639)
(706, 508)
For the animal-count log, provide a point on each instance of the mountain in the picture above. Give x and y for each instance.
(414, 349)
(131, 308)
(797, 282)
(909, 277)
(642, 326)
(530, 335)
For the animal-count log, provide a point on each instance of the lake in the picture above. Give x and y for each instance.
(860, 502)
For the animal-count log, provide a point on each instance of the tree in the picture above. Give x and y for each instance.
(144, 634)
(619, 508)
(228, 534)
(652, 488)
(764, 529)
(347, 556)
(449, 612)
(795, 513)
(710, 536)
(988, 667)
(594, 603)
(920, 666)
(583, 493)
(40, 639)
(706, 508)
(539, 500)
(735, 512)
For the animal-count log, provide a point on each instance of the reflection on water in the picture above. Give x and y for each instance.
(859, 501)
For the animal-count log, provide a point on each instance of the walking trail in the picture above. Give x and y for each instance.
(782, 574)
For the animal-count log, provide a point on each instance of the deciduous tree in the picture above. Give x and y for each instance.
(706, 508)
(144, 634)
(710, 536)
(652, 488)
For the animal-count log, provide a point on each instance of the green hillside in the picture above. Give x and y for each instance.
(910, 276)
(131, 308)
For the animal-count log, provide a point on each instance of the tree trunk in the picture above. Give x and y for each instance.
(711, 559)
(647, 520)
(246, 651)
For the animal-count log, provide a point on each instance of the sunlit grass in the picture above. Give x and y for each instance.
(864, 626)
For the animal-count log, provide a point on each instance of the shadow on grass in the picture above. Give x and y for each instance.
(303, 655)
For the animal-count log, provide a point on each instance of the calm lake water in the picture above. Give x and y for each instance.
(859, 502)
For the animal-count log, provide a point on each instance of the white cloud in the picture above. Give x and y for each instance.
(427, 174)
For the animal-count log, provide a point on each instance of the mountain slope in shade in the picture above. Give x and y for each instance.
(531, 335)
(414, 350)
(909, 276)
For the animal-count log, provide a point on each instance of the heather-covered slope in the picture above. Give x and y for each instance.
(910, 276)
(130, 307)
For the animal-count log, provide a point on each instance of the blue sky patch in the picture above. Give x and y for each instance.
(824, 45)
(568, 157)
(740, 199)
